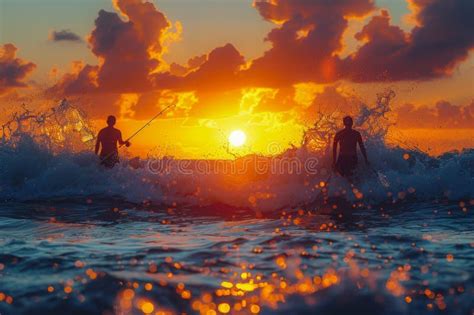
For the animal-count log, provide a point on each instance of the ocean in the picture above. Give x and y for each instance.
(170, 236)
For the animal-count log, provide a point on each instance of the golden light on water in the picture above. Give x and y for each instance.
(244, 289)
(237, 138)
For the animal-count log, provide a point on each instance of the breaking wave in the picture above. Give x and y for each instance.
(48, 155)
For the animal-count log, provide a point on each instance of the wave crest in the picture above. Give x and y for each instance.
(44, 156)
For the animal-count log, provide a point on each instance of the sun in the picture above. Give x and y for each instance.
(237, 138)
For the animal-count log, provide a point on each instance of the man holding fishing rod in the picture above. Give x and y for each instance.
(110, 136)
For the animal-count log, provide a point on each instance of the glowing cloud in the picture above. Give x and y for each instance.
(13, 70)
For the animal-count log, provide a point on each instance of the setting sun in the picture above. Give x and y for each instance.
(237, 138)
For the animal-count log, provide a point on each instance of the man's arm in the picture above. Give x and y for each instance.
(362, 148)
(120, 140)
(97, 143)
(334, 149)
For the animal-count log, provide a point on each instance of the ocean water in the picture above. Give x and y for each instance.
(109, 257)
(164, 236)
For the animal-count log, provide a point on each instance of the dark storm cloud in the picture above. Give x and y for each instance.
(13, 70)
(64, 36)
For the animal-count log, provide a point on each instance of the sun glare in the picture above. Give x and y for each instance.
(237, 138)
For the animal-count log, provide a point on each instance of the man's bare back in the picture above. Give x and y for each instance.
(107, 141)
(347, 139)
(109, 137)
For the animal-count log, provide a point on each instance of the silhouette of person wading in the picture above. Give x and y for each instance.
(348, 138)
(107, 139)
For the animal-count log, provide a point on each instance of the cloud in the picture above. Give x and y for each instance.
(304, 45)
(81, 79)
(64, 36)
(99, 105)
(218, 71)
(334, 99)
(129, 45)
(442, 39)
(193, 64)
(215, 80)
(442, 115)
(308, 39)
(129, 49)
(13, 70)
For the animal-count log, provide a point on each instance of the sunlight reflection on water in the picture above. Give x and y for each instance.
(416, 258)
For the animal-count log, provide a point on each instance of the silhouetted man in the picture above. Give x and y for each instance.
(347, 139)
(108, 139)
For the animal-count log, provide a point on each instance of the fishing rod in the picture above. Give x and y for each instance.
(149, 122)
(108, 156)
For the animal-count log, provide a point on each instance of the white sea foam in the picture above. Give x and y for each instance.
(32, 168)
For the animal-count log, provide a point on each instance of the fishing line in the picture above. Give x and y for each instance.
(108, 156)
